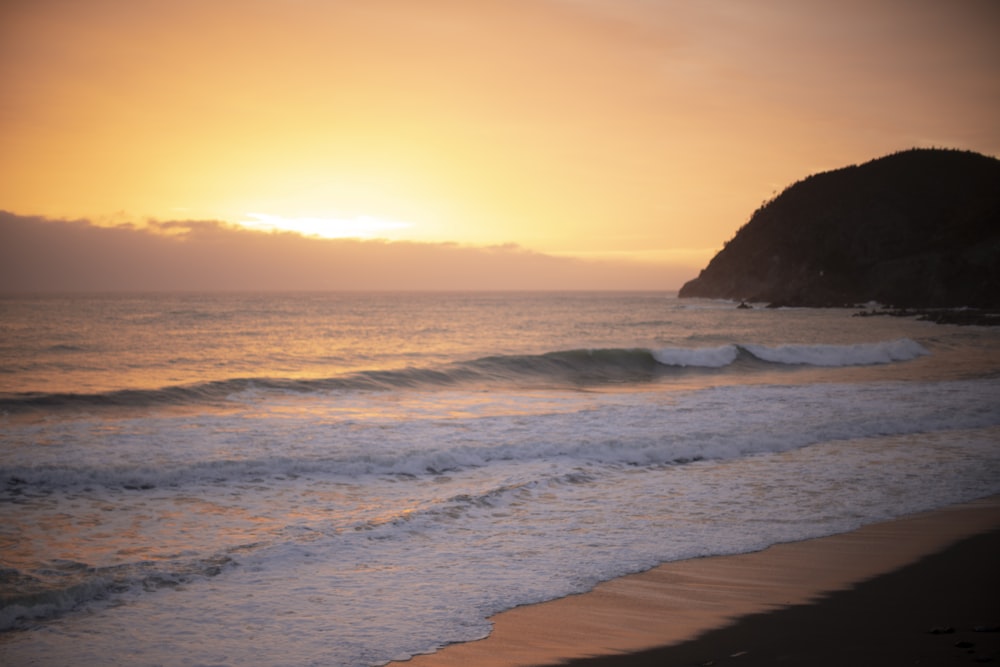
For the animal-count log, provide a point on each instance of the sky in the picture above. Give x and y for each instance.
(630, 137)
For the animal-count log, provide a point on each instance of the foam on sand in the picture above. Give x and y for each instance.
(678, 601)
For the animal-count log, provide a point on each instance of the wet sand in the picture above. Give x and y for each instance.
(902, 592)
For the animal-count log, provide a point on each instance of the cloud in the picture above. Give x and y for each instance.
(44, 255)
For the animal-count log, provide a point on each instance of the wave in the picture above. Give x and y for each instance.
(566, 368)
(863, 354)
(715, 423)
(60, 586)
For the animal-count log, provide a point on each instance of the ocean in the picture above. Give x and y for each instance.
(348, 479)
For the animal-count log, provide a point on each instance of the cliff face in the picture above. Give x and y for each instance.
(920, 228)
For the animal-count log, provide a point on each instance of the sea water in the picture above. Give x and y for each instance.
(348, 479)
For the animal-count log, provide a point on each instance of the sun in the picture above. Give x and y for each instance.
(357, 227)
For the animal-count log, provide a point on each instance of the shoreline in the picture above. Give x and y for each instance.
(857, 587)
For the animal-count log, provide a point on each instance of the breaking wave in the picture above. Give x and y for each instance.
(566, 368)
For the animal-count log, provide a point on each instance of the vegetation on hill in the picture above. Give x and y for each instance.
(918, 228)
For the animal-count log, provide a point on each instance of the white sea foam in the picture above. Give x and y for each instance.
(860, 354)
(719, 423)
(431, 577)
(706, 357)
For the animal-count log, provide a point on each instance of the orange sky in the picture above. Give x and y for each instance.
(644, 130)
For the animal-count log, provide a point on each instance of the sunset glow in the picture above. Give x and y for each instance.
(362, 227)
(627, 131)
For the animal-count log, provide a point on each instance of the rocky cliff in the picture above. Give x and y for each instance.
(920, 228)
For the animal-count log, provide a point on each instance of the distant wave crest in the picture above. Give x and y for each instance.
(862, 354)
(565, 368)
(705, 357)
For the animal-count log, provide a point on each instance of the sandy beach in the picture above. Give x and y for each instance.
(922, 589)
